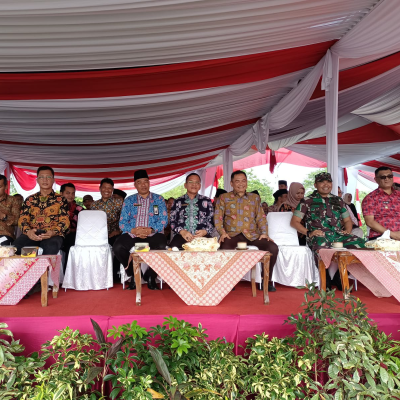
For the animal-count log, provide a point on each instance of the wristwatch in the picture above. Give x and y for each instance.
(308, 233)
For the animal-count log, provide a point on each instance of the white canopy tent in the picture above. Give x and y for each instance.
(179, 86)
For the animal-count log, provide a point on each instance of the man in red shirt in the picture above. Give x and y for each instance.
(381, 208)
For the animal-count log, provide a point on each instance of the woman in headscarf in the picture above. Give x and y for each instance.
(296, 193)
(352, 209)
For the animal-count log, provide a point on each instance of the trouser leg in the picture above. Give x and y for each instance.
(69, 241)
(116, 262)
(24, 241)
(9, 240)
(51, 246)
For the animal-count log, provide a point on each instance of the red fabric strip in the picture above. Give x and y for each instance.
(371, 133)
(354, 76)
(377, 164)
(160, 79)
(395, 128)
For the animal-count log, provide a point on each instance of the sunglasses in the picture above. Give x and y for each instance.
(383, 177)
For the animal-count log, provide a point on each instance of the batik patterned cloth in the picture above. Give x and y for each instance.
(326, 214)
(385, 208)
(379, 271)
(9, 206)
(157, 213)
(202, 278)
(18, 275)
(112, 207)
(48, 213)
(192, 215)
(235, 215)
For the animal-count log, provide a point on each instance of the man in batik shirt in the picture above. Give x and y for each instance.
(112, 207)
(143, 219)
(9, 214)
(44, 219)
(238, 217)
(67, 190)
(324, 215)
(191, 214)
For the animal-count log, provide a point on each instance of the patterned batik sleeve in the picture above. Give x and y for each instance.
(210, 217)
(62, 226)
(15, 211)
(174, 216)
(124, 220)
(163, 213)
(261, 220)
(219, 215)
(367, 206)
(301, 209)
(24, 221)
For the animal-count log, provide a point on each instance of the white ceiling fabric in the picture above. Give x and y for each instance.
(45, 35)
(133, 118)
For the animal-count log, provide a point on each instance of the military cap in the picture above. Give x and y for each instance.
(323, 176)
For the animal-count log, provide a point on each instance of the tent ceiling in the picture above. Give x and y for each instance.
(105, 87)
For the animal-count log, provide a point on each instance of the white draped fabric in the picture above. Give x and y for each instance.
(89, 34)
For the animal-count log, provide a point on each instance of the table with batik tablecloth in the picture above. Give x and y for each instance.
(202, 278)
(19, 274)
(379, 271)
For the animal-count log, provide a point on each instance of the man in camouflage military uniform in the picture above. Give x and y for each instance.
(323, 213)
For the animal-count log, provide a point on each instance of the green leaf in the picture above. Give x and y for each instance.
(383, 374)
(160, 364)
(11, 381)
(98, 332)
(356, 376)
(370, 380)
(114, 393)
(59, 392)
(92, 374)
(1, 355)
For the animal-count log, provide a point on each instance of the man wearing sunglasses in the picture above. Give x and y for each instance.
(191, 214)
(381, 208)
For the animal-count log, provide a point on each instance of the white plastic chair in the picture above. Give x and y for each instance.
(295, 264)
(90, 264)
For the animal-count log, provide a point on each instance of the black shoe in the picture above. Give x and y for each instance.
(271, 288)
(132, 285)
(152, 285)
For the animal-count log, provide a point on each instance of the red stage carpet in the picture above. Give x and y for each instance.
(237, 317)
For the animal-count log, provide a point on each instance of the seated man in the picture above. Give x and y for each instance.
(9, 214)
(282, 184)
(87, 201)
(381, 208)
(67, 190)
(323, 214)
(191, 214)
(264, 206)
(119, 194)
(44, 219)
(280, 197)
(112, 207)
(143, 219)
(239, 217)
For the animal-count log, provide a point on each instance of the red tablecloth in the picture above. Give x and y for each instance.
(379, 271)
(202, 278)
(18, 275)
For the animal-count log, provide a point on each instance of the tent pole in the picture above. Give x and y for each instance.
(331, 115)
(227, 163)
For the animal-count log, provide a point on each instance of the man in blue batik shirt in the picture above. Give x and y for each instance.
(143, 219)
(191, 214)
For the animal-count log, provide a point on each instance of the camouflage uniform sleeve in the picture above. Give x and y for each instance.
(301, 209)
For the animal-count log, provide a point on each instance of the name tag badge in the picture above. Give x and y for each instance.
(137, 205)
(184, 205)
(155, 209)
